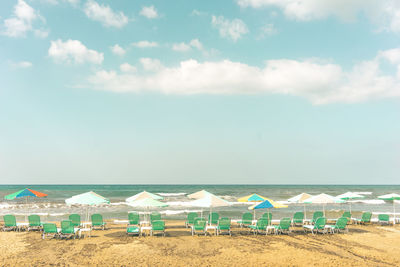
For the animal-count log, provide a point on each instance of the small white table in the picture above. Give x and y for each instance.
(84, 230)
(121, 221)
(144, 228)
(211, 227)
(271, 229)
(22, 225)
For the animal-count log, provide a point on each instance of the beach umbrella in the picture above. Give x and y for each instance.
(209, 201)
(147, 203)
(87, 199)
(267, 204)
(252, 198)
(26, 192)
(391, 197)
(199, 194)
(350, 196)
(323, 199)
(143, 195)
(299, 199)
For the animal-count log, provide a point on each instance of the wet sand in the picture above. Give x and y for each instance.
(370, 245)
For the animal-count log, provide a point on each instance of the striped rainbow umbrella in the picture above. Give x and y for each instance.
(27, 192)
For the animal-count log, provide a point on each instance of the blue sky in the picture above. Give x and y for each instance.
(238, 91)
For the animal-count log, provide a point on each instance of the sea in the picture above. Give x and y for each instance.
(53, 206)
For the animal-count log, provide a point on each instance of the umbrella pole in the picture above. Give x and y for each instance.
(305, 216)
(394, 213)
(26, 213)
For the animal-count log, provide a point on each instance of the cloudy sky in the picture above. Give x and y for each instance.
(184, 91)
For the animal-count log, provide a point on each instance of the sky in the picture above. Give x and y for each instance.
(184, 91)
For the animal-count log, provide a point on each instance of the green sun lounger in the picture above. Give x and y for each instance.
(298, 218)
(340, 226)
(50, 229)
(10, 223)
(224, 225)
(317, 227)
(67, 230)
(157, 227)
(247, 219)
(213, 218)
(365, 218)
(155, 216)
(75, 219)
(316, 215)
(383, 219)
(97, 222)
(190, 218)
(199, 226)
(284, 226)
(34, 223)
(267, 215)
(132, 230)
(260, 226)
(134, 218)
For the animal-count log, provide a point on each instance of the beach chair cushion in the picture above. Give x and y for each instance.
(9, 221)
(298, 217)
(191, 217)
(247, 219)
(132, 230)
(75, 219)
(213, 218)
(316, 215)
(155, 216)
(97, 220)
(34, 221)
(134, 218)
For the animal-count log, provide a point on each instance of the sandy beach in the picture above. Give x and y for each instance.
(371, 245)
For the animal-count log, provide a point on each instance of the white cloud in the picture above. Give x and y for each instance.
(105, 15)
(149, 12)
(117, 50)
(267, 30)
(21, 65)
(145, 44)
(233, 29)
(56, 2)
(126, 67)
(150, 64)
(385, 13)
(22, 21)
(41, 33)
(181, 47)
(320, 82)
(196, 44)
(73, 51)
(196, 12)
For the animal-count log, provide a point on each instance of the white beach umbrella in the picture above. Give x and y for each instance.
(209, 201)
(323, 199)
(299, 199)
(350, 196)
(391, 197)
(199, 194)
(147, 203)
(143, 195)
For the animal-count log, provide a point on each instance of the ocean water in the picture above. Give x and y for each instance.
(53, 207)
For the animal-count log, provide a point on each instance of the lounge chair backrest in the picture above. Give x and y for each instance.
(67, 227)
(133, 218)
(155, 216)
(267, 215)
(97, 219)
(9, 221)
(247, 216)
(224, 223)
(320, 223)
(75, 219)
(49, 228)
(316, 215)
(366, 217)
(298, 217)
(285, 223)
(383, 217)
(199, 224)
(34, 220)
(191, 216)
(213, 217)
(341, 223)
(158, 225)
(262, 223)
(347, 214)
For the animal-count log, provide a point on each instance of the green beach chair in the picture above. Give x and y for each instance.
(317, 227)
(224, 224)
(67, 229)
(383, 219)
(133, 218)
(267, 215)
(10, 223)
(97, 222)
(155, 216)
(298, 218)
(260, 226)
(340, 226)
(132, 230)
(190, 218)
(75, 219)
(157, 226)
(284, 226)
(316, 215)
(213, 218)
(365, 218)
(49, 229)
(199, 226)
(34, 222)
(247, 219)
